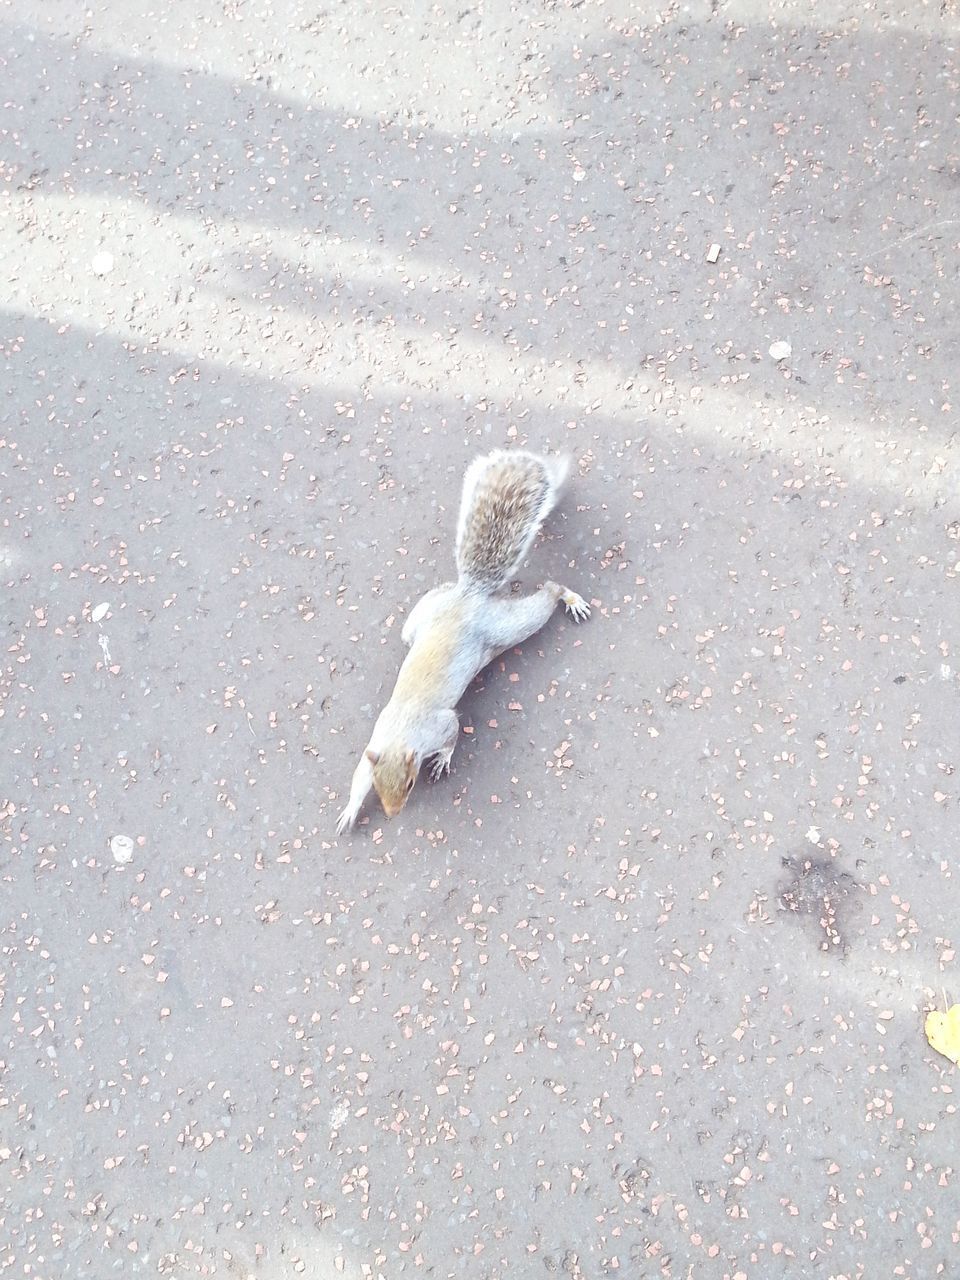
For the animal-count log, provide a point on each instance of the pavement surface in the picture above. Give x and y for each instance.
(639, 990)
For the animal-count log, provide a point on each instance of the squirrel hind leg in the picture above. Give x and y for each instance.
(422, 612)
(509, 622)
(574, 603)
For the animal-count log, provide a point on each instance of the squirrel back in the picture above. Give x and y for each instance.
(507, 495)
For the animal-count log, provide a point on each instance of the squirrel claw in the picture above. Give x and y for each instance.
(345, 821)
(576, 606)
(440, 766)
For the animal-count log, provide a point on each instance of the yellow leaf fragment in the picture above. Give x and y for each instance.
(943, 1032)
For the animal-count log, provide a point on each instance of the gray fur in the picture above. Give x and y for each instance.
(456, 629)
(507, 495)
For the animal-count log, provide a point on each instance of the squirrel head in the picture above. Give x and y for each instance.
(395, 771)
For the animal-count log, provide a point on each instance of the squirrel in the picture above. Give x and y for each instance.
(459, 627)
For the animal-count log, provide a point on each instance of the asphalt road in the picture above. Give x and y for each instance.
(639, 990)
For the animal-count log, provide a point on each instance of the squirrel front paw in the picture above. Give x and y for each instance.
(576, 606)
(441, 764)
(346, 820)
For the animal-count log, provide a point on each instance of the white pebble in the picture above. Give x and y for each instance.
(122, 849)
(780, 351)
(102, 264)
(100, 611)
(339, 1114)
(813, 835)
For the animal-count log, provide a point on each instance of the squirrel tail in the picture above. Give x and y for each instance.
(507, 495)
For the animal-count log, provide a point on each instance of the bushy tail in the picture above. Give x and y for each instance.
(507, 495)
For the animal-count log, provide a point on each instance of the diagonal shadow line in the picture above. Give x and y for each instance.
(205, 147)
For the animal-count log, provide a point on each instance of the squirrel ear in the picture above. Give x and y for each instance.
(372, 756)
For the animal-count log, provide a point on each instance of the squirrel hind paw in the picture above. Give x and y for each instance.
(576, 606)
